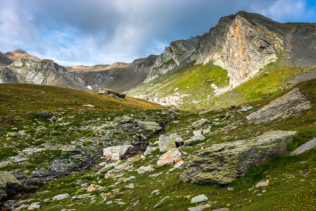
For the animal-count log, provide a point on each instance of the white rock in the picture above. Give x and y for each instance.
(262, 184)
(88, 105)
(149, 150)
(178, 164)
(199, 198)
(61, 196)
(170, 158)
(305, 147)
(145, 169)
(198, 137)
(200, 207)
(116, 152)
(34, 206)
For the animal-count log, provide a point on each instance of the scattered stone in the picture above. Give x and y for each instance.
(109, 202)
(292, 103)
(199, 198)
(205, 112)
(223, 163)
(134, 159)
(262, 184)
(123, 119)
(245, 108)
(305, 147)
(34, 206)
(190, 142)
(145, 169)
(170, 141)
(153, 126)
(136, 203)
(129, 186)
(198, 137)
(111, 93)
(149, 150)
(92, 187)
(230, 188)
(44, 114)
(170, 158)
(115, 153)
(200, 207)
(9, 185)
(61, 196)
(199, 123)
(156, 175)
(88, 105)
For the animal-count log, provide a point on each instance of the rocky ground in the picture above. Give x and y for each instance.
(246, 157)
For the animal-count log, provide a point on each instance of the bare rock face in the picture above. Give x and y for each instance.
(179, 52)
(292, 103)
(223, 163)
(7, 75)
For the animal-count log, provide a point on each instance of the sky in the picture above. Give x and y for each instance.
(92, 32)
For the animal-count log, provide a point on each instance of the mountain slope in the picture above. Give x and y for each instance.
(241, 45)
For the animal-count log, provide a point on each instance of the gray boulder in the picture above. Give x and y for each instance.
(170, 141)
(305, 147)
(223, 163)
(292, 103)
(9, 185)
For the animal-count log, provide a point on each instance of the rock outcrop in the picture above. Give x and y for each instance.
(290, 104)
(9, 185)
(223, 163)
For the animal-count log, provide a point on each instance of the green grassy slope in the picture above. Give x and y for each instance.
(292, 179)
(196, 81)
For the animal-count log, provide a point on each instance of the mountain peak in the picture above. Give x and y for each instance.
(20, 54)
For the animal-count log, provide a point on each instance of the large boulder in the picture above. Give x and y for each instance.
(167, 142)
(223, 163)
(292, 103)
(115, 153)
(9, 185)
(171, 157)
(305, 147)
(153, 126)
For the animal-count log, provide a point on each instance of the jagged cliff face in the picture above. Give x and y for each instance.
(177, 54)
(243, 44)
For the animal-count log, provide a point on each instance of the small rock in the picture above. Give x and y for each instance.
(149, 150)
(116, 152)
(190, 142)
(169, 158)
(230, 188)
(92, 187)
(245, 108)
(167, 142)
(61, 196)
(109, 202)
(153, 126)
(305, 147)
(129, 186)
(34, 206)
(262, 184)
(198, 137)
(136, 158)
(199, 198)
(199, 123)
(145, 169)
(44, 114)
(200, 207)
(88, 105)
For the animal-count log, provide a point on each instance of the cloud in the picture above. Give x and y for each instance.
(105, 31)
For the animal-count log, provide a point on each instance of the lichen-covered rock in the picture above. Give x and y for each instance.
(170, 141)
(223, 163)
(111, 93)
(153, 126)
(292, 103)
(9, 185)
